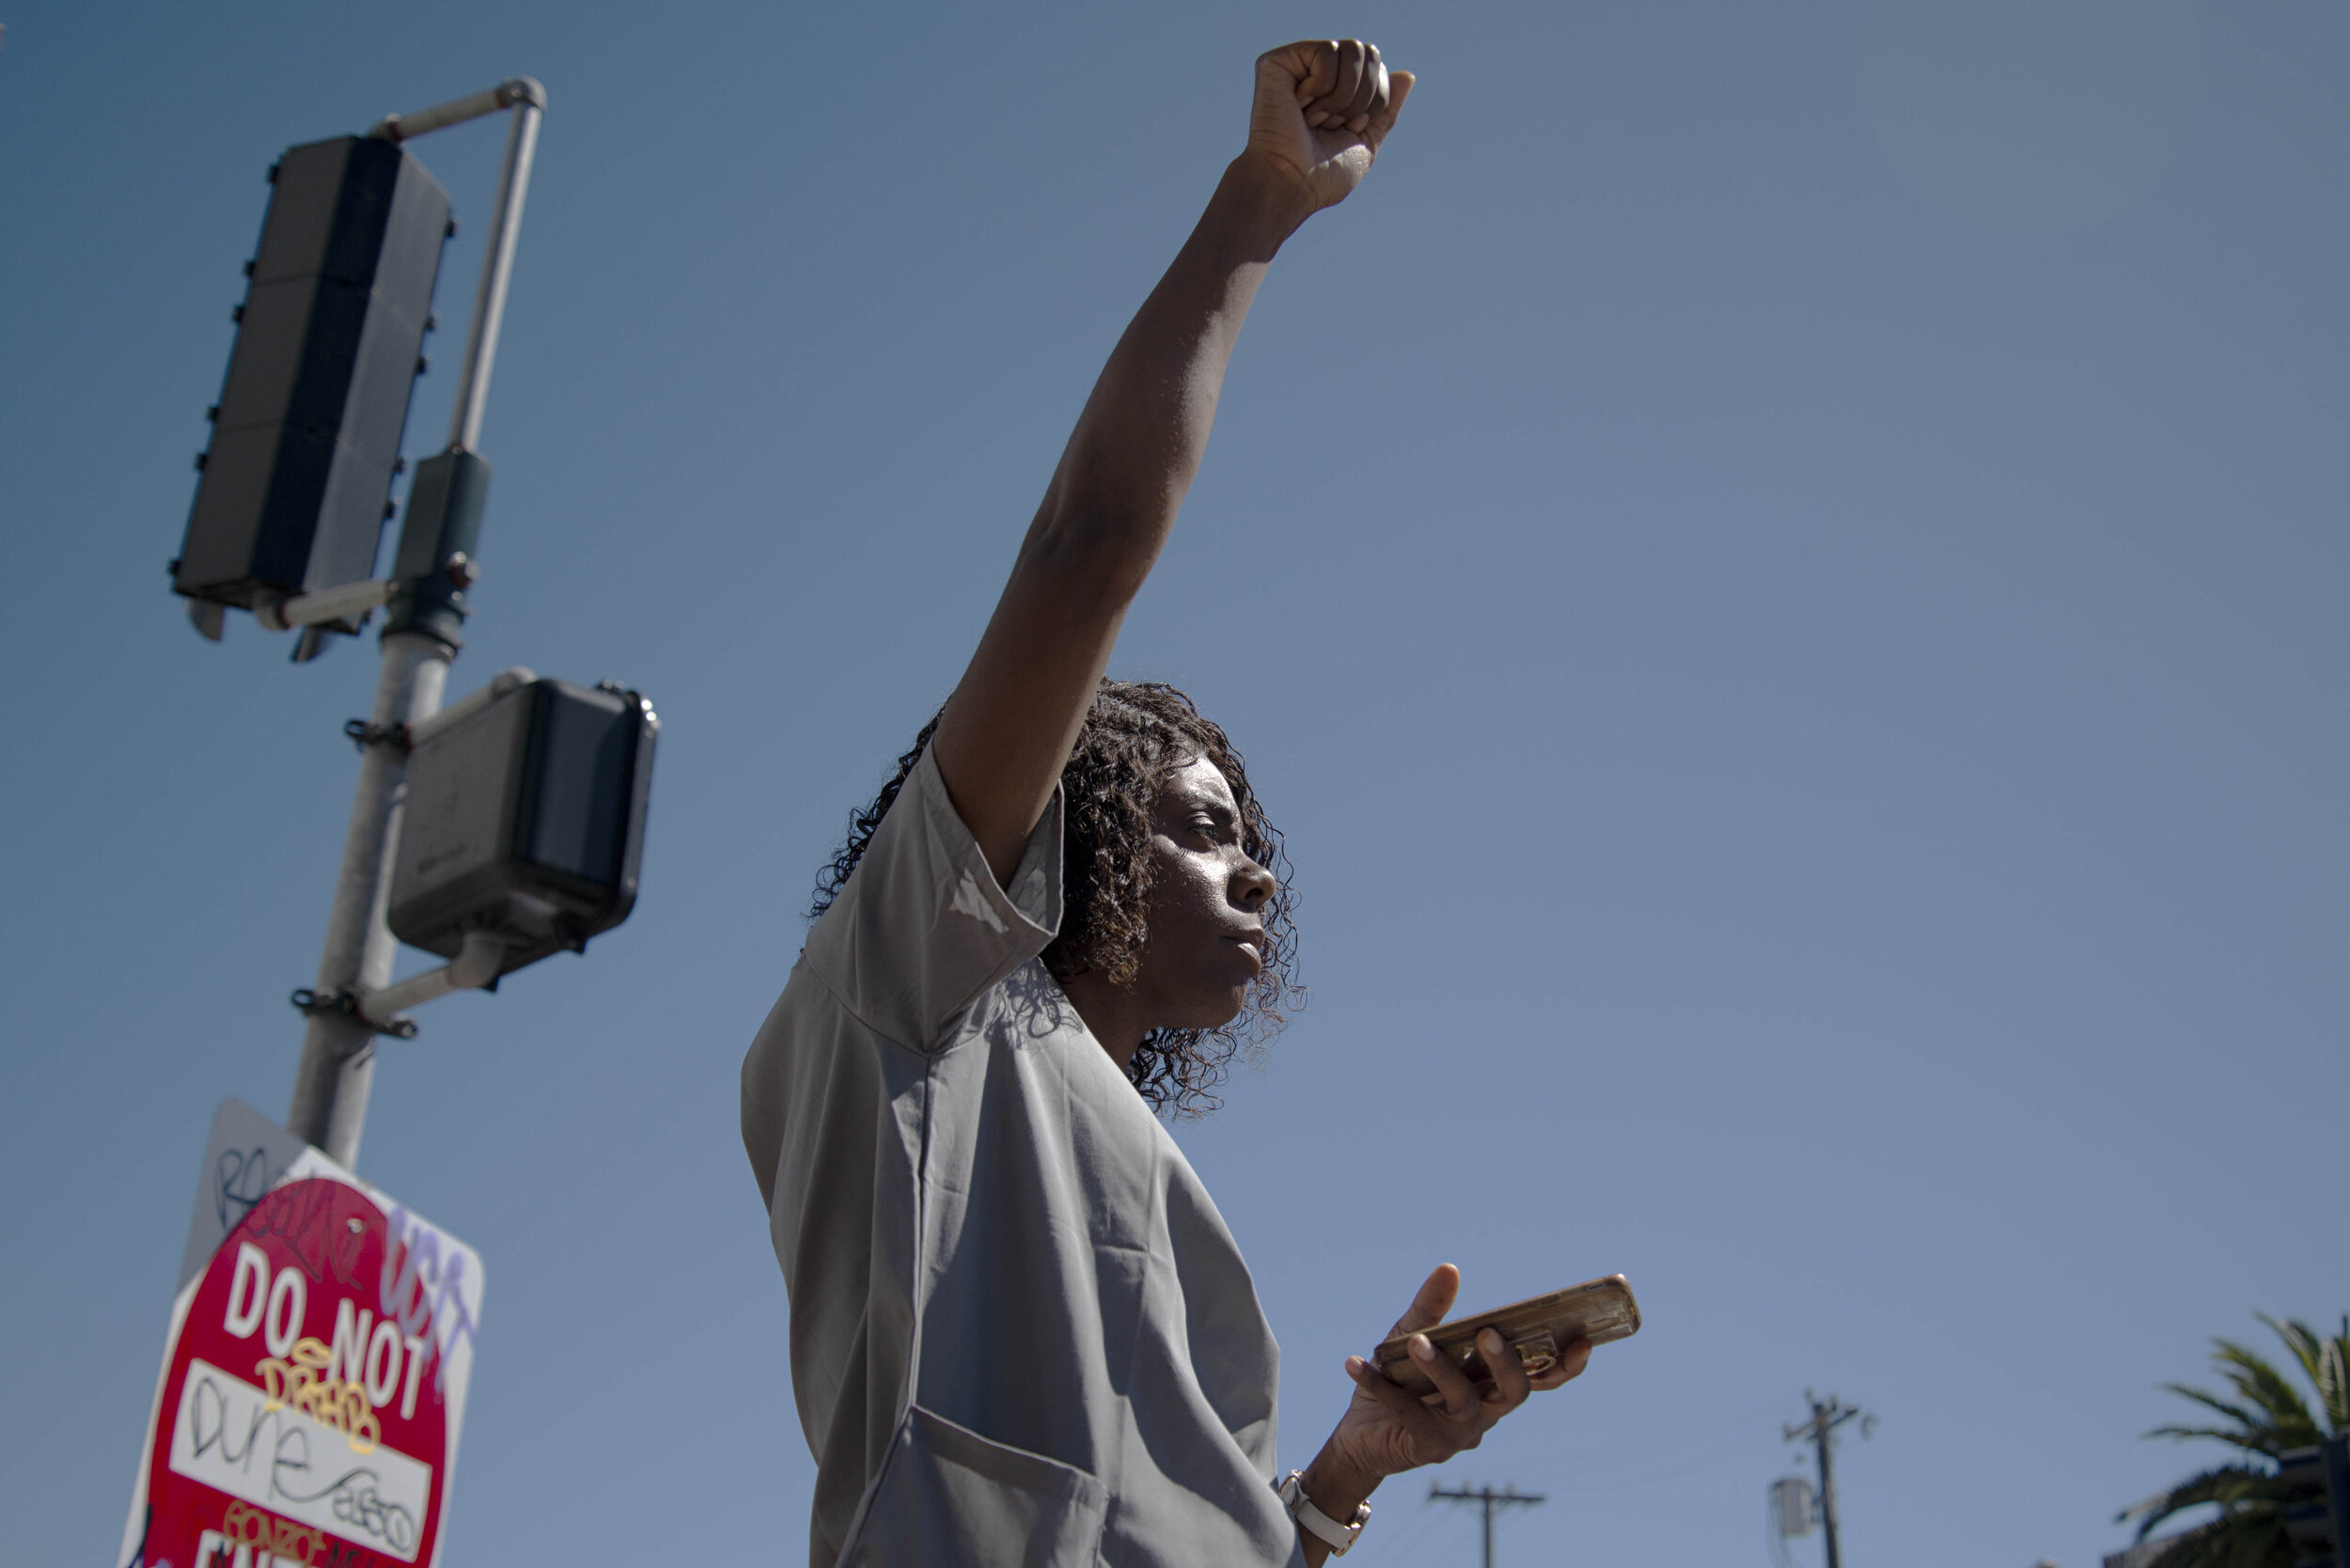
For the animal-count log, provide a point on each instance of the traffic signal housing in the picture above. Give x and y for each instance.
(526, 818)
(296, 483)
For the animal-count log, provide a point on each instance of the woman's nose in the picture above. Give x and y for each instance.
(1253, 886)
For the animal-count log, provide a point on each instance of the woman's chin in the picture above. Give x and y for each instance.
(1228, 1008)
(1210, 1012)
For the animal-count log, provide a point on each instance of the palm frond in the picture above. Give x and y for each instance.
(2248, 1424)
(2249, 1534)
(2210, 1434)
(2257, 1380)
(2325, 1361)
(2223, 1484)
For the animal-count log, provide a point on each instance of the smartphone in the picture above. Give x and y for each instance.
(1540, 1328)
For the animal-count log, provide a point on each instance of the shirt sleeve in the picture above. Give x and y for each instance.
(922, 927)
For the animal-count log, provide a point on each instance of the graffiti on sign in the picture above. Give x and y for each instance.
(312, 1397)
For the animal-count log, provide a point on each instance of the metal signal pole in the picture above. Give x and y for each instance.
(1491, 1501)
(1826, 1416)
(329, 1108)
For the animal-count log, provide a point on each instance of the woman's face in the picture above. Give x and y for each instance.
(1205, 916)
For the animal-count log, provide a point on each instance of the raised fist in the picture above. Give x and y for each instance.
(1322, 107)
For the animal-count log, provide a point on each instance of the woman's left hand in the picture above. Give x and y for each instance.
(1388, 1429)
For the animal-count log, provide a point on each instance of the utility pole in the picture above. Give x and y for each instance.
(329, 1107)
(1491, 1501)
(1820, 1431)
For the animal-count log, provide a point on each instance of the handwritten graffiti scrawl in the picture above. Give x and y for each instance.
(311, 1398)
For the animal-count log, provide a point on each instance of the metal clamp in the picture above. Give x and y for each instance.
(345, 1004)
(364, 734)
(476, 967)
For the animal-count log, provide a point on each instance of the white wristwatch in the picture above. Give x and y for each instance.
(1338, 1537)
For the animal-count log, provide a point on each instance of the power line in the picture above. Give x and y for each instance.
(1611, 1467)
(1492, 1502)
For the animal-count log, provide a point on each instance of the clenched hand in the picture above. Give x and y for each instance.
(1321, 109)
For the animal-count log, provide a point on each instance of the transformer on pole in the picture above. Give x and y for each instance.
(1792, 1505)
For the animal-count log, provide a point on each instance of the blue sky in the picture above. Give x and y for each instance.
(1780, 568)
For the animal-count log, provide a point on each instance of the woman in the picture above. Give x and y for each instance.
(1020, 1330)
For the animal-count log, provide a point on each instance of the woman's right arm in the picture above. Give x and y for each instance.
(1321, 110)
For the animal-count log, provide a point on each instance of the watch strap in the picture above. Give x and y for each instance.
(1338, 1537)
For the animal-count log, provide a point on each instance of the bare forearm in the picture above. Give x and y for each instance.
(1105, 518)
(1138, 444)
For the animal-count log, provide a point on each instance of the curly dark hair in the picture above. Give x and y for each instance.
(1136, 734)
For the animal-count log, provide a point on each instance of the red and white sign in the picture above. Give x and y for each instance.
(312, 1394)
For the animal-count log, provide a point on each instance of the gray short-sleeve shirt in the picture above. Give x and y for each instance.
(1020, 1330)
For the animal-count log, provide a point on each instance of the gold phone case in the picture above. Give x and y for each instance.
(1540, 1328)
